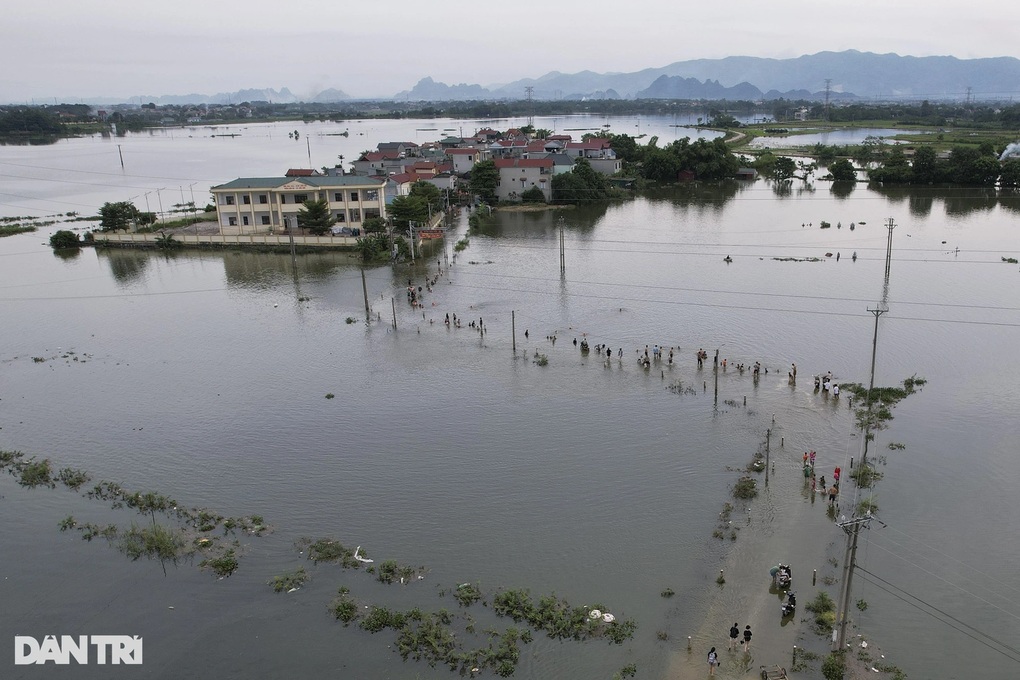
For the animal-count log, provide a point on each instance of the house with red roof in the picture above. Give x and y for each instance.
(464, 159)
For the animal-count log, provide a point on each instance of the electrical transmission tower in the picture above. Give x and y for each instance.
(828, 83)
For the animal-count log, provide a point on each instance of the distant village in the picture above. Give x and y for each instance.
(523, 162)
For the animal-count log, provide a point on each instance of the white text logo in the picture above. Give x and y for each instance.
(112, 649)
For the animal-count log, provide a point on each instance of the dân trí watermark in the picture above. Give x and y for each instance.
(82, 649)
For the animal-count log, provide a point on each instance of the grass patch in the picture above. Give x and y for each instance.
(72, 478)
(559, 619)
(467, 594)
(389, 572)
(35, 473)
(224, 565)
(824, 610)
(155, 542)
(329, 550)
(288, 581)
(746, 488)
(343, 608)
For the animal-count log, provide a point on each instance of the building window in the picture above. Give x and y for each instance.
(246, 199)
(338, 197)
(265, 219)
(263, 199)
(355, 215)
(244, 220)
(232, 221)
(300, 198)
(354, 196)
(372, 195)
(229, 199)
(340, 217)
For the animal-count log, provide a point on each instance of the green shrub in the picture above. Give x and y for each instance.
(64, 238)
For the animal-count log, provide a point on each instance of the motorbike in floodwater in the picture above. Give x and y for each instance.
(782, 576)
(789, 608)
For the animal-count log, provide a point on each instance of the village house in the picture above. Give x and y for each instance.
(517, 175)
(250, 205)
(465, 159)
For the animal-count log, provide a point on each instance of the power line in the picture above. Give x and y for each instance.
(1007, 650)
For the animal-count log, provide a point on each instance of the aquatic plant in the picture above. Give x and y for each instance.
(330, 550)
(224, 565)
(330, 395)
(343, 608)
(461, 245)
(155, 542)
(1010, 260)
(289, 580)
(867, 506)
(824, 610)
(349, 320)
(668, 592)
(73, 478)
(467, 594)
(389, 571)
(745, 488)
(834, 666)
(35, 473)
(628, 671)
(541, 360)
(558, 619)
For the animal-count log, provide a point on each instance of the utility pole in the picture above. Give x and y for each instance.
(121, 156)
(364, 289)
(768, 437)
(513, 330)
(888, 248)
(563, 257)
(852, 528)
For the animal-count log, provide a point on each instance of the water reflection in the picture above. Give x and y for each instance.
(710, 196)
(842, 190)
(126, 265)
(958, 201)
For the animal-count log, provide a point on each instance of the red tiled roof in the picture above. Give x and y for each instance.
(461, 152)
(597, 144)
(301, 172)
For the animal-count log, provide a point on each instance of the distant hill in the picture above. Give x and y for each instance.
(850, 73)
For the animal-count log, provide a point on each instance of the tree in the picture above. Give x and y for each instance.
(582, 183)
(784, 168)
(843, 171)
(924, 169)
(64, 239)
(533, 195)
(484, 178)
(314, 216)
(120, 215)
(407, 209)
(1010, 176)
(372, 225)
(430, 192)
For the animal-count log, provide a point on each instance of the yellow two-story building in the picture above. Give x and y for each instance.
(266, 204)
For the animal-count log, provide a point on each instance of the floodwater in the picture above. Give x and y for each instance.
(828, 137)
(204, 378)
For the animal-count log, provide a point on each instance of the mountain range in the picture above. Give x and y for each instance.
(844, 75)
(849, 74)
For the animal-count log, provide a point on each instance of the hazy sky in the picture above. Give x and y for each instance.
(69, 49)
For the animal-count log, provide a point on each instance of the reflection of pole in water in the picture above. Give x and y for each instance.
(888, 260)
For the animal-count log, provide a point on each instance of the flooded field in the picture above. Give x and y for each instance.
(204, 376)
